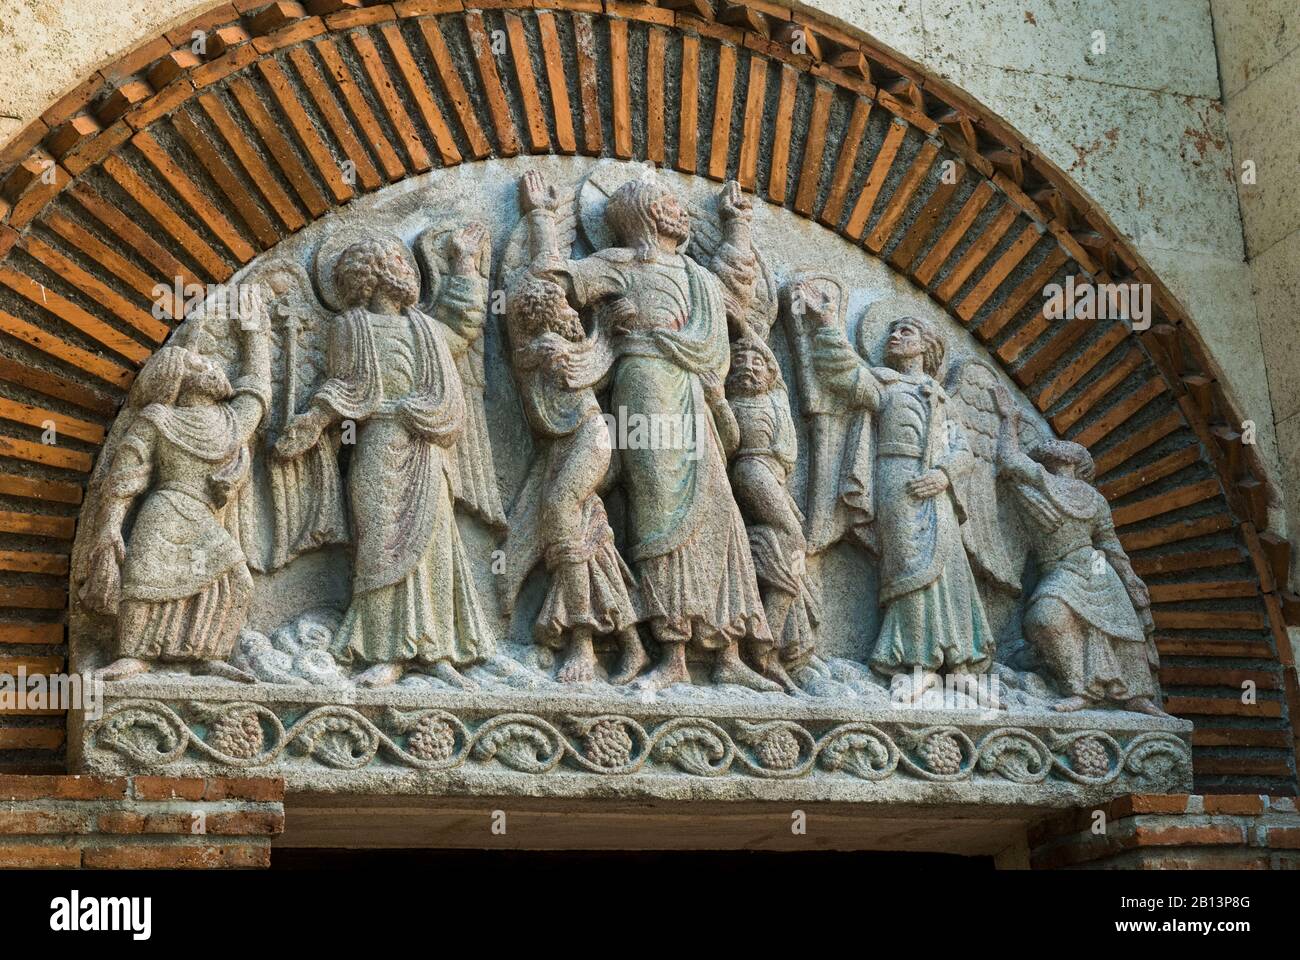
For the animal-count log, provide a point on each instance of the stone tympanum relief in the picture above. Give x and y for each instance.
(592, 469)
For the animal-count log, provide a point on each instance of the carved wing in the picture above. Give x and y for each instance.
(476, 479)
(293, 506)
(706, 238)
(987, 532)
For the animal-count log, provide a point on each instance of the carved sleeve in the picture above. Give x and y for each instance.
(724, 418)
(842, 372)
(132, 463)
(594, 278)
(462, 309)
(1013, 463)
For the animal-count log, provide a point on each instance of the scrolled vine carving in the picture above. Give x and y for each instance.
(148, 734)
(860, 749)
(699, 747)
(1015, 754)
(521, 742)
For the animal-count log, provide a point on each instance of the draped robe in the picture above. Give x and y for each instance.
(1073, 538)
(686, 537)
(185, 582)
(413, 596)
(934, 618)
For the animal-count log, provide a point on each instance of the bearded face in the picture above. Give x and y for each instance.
(565, 321)
(750, 374)
(374, 266)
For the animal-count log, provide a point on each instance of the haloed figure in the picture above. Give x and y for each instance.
(934, 620)
(414, 604)
(181, 586)
(686, 536)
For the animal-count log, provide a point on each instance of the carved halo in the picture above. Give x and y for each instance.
(334, 245)
(703, 242)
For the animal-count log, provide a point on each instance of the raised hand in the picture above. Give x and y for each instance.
(817, 304)
(734, 203)
(714, 390)
(467, 247)
(536, 194)
(1006, 407)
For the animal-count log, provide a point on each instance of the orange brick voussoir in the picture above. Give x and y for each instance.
(220, 63)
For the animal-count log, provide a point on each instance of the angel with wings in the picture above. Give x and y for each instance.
(934, 620)
(391, 372)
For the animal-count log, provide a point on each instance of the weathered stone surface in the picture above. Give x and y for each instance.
(1252, 37)
(365, 348)
(1143, 44)
(767, 747)
(1270, 209)
(1276, 280)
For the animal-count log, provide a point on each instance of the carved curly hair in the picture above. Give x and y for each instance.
(539, 306)
(372, 264)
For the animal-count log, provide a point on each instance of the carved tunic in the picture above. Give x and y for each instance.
(185, 583)
(685, 532)
(413, 597)
(1073, 538)
(590, 586)
(934, 617)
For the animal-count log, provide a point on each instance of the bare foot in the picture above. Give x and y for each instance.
(904, 688)
(729, 668)
(775, 671)
(1071, 704)
(1146, 705)
(381, 675)
(633, 658)
(579, 664)
(445, 672)
(670, 669)
(123, 668)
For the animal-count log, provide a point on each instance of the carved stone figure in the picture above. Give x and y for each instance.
(391, 372)
(1090, 614)
(686, 536)
(934, 619)
(463, 315)
(761, 464)
(591, 586)
(181, 586)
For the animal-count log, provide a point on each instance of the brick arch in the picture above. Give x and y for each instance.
(173, 164)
